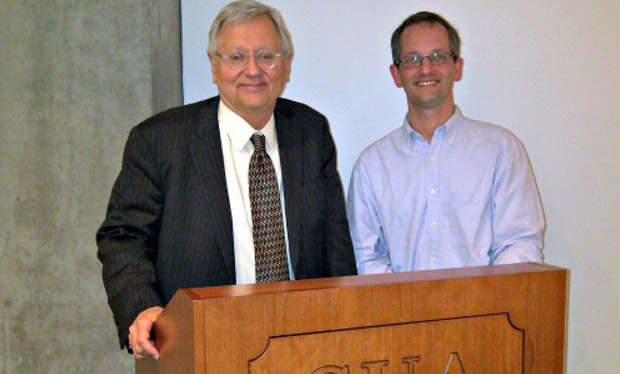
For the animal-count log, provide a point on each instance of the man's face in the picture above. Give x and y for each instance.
(427, 86)
(250, 91)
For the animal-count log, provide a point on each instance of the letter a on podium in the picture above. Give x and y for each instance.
(454, 365)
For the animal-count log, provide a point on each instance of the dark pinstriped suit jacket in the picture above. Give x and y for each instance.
(169, 226)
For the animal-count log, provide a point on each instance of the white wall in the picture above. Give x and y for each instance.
(549, 71)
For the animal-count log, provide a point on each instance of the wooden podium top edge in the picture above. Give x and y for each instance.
(214, 292)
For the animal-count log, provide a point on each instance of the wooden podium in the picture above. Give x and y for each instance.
(505, 319)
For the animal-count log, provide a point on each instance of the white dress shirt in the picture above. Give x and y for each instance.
(237, 149)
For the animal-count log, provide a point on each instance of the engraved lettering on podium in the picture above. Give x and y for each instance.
(482, 344)
(411, 362)
(332, 369)
(454, 365)
(375, 367)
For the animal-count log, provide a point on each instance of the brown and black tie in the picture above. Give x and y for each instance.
(267, 225)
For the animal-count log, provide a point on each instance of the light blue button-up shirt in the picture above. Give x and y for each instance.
(468, 198)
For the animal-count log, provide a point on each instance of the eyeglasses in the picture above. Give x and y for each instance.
(415, 60)
(239, 60)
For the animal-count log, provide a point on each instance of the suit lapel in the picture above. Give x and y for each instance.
(206, 152)
(289, 147)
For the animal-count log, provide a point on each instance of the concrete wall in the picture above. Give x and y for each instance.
(75, 76)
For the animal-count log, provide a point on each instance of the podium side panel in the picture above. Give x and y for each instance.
(175, 339)
(545, 322)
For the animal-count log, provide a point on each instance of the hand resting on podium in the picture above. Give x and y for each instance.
(140, 333)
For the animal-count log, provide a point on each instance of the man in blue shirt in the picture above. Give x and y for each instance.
(441, 191)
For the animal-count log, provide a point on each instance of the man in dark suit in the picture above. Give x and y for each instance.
(187, 209)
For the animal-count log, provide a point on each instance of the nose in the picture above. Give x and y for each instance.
(426, 65)
(252, 67)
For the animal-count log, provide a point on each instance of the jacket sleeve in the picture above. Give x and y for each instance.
(127, 239)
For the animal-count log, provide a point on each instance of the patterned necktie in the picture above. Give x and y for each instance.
(267, 227)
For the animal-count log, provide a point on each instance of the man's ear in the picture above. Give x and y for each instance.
(213, 68)
(287, 66)
(396, 76)
(458, 66)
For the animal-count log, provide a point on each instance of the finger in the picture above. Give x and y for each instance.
(137, 350)
(143, 330)
(134, 349)
(132, 334)
(144, 341)
(148, 349)
(133, 340)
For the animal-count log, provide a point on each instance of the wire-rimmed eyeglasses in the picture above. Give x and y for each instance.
(415, 60)
(239, 60)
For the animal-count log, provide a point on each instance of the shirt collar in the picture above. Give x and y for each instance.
(240, 132)
(449, 130)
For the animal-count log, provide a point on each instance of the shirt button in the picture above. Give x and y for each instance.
(434, 224)
(433, 191)
(433, 158)
(433, 260)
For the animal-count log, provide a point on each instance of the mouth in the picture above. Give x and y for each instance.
(426, 83)
(252, 86)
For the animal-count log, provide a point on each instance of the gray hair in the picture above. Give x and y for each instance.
(429, 18)
(245, 10)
